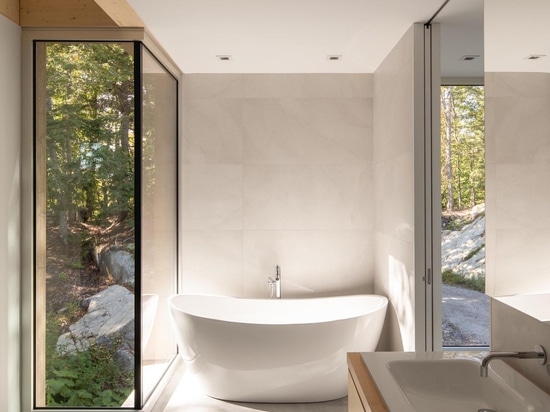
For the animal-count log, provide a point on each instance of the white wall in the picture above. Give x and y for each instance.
(10, 135)
(513, 330)
(517, 133)
(277, 170)
(394, 143)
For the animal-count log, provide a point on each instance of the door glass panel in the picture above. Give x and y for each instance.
(465, 306)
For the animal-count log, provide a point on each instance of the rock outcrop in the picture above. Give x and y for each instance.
(463, 251)
(117, 263)
(109, 321)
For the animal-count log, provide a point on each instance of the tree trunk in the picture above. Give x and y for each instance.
(446, 103)
(126, 108)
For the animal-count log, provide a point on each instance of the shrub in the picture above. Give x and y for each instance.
(474, 283)
(87, 378)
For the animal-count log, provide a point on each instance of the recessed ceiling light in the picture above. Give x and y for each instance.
(469, 57)
(334, 57)
(224, 57)
(535, 56)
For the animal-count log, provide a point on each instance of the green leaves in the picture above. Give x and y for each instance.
(88, 378)
(90, 129)
(462, 146)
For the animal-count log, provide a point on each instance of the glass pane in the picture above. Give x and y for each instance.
(465, 306)
(85, 228)
(159, 217)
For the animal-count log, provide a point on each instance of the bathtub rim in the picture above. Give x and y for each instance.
(293, 318)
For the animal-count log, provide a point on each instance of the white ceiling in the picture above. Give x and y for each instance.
(295, 36)
(461, 24)
(515, 30)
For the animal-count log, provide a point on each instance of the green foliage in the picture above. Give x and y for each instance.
(474, 283)
(62, 276)
(457, 224)
(89, 129)
(89, 148)
(462, 147)
(76, 265)
(473, 252)
(88, 378)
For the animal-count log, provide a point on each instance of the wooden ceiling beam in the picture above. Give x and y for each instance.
(78, 13)
(10, 9)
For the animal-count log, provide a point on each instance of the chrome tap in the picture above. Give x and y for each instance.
(275, 283)
(538, 353)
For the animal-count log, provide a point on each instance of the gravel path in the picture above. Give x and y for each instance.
(465, 317)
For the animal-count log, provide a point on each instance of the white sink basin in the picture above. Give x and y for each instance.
(450, 381)
(455, 385)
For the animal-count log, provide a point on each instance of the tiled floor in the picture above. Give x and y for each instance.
(187, 399)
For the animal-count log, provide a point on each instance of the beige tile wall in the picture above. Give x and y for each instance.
(518, 171)
(394, 192)
(512, 330)
(278, 170)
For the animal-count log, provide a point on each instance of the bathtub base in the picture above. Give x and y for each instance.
(278, 387)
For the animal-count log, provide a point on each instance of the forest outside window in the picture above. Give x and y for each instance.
(105, 223)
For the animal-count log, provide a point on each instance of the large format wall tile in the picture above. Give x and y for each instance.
(518, 169)
(394, 192)
(311, 86)
(393, 95)
(312, 262)
(212, 197)
(524, 136)
(307, 131)
(213, 131)
(394, 269)
(394, 197)
(284, 161)
(308, 197)
(522, 261)
(514, 330)
(516, 84)
(212, 86)
(212, 262)
(522, 195)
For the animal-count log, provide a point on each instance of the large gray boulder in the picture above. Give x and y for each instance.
(109, 320)
(119, 264)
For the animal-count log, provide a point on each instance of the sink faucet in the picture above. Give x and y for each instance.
(538, 353)
(275, 283)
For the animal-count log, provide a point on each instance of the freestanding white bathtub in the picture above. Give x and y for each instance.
(275, 350)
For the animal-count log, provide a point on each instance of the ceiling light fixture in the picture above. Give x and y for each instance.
(224, 57)
(334, 57)
(535, 56)
(469, 57)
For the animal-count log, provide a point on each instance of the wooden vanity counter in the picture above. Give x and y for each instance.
(363, 394)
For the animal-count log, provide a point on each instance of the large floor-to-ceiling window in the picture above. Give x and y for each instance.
(105, 223)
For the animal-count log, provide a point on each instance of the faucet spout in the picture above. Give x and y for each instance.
(275, 284)
(538, 353)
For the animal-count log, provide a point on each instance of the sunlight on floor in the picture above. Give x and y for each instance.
(188, 396)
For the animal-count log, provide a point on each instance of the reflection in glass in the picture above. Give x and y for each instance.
(159, 217)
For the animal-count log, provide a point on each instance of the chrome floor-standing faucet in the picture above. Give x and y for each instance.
(275, 284)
